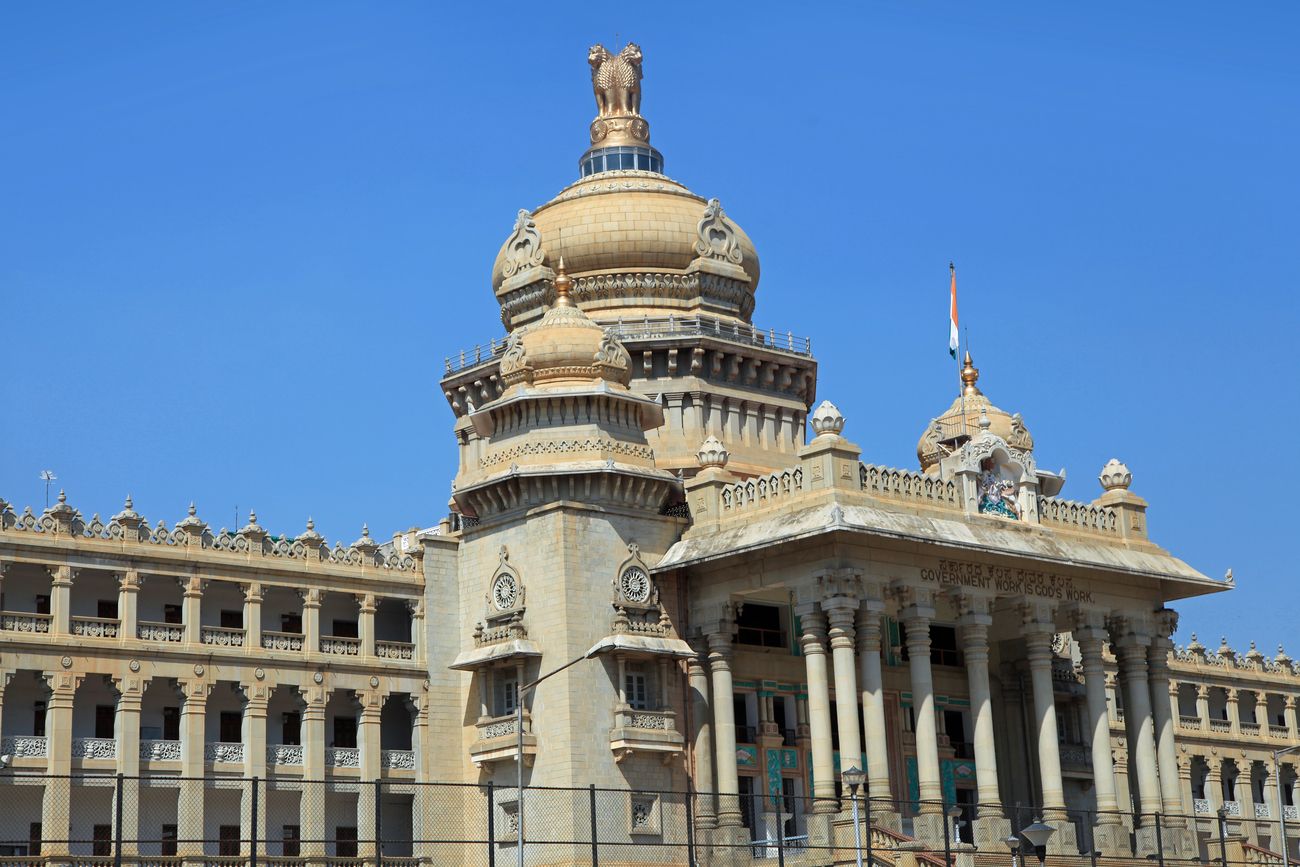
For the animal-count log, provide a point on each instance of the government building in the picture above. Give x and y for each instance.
(650, 492)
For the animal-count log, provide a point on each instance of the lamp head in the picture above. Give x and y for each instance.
(5, 760)
(853, 777)
(1013, 843)
(954, 812)
(1038, 833)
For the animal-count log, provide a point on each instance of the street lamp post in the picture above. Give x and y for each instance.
(1281, 811)
(1038, 834)
(1013, 843)
(854, 778)
(948, 815)
(1223, 834)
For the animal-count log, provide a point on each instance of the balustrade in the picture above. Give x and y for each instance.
(342, 757)
(160, 751)
(223, 752)
(336, 645)
(656, 720)
(221, 636)
(22, 621)
(1281, 733)
(497, 727)
(1220, 725)
(95, 627)
(1291, 813)
(284, 754)
(94, 748)
(291, 641)
(1232, 809)
(1189, 722)
(395, 650)
(25, 746)
(1201, 807)
(163, 633)
(1250, 728)
(1262, 811)
(1074, 515)
(398, 760)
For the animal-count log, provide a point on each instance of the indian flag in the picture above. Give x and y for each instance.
(952, 313)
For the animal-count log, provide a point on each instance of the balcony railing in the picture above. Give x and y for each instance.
(394, 650)
(96, 627)
(1201, 807)
(1291, 813)
(1249, 728)
(291, 641)
(22, 621)
(1263, 811)
(398, 760)
(222, 636)
(342, 757)
(1220, 725)
(284, 754)
(25, 746)
(1279, 732)
(160, 751)
(337, 645)
(223, 752)
(163, 633)
(498, 727)
(1189, 722)
(1232, 808)
(94, 748)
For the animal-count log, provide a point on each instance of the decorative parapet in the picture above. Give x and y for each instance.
(163, 633)
(919, 488)
(1077, 516)
(160, 751)
(1194, 656)
(95, 627)
(397, 760)
(129, 527)
(94, 748)
(221, 636)
(222, 752)
(498, 740)
(644, 731)
(762, 491)
(290, 641)
(342, 757)
(21, 621)
(403, 650)
(284, 754)
(25, 746)
(339, 646)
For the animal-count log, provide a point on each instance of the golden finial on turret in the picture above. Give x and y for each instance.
(970, 374)
(563, 283)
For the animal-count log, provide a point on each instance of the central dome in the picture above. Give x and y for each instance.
(637, 243)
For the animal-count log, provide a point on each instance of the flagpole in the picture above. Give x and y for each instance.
(961, 392)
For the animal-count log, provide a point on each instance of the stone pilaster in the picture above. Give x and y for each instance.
(189, 824)
(310, 620)
(416, 608)
(126, 728)
(60, 599)
(1203, 705)
(191, 610)
(128, 593)
(366, 607)
(253, 617)
(257, 695)
(55, 805)
(368, 730)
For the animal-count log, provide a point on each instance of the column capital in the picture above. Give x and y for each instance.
(310, 597)
(1288, 702)
(253, 591)
(128, 580)
(1037, 615)
(257, 696)
(192, 585)
(845, 584)
(720, 649)
(1202, 690)
(62, 576)
(918, 600)
(715, 617)
(971, 606)
(366, 603)
(1166, 624)
(813, 634)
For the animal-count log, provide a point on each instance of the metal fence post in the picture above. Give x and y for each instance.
(595, 862)
(252, 825)
(117, 820)
(780, 830)
(1160, 843)
(867, 798)
(1223, 836)
(491, 824)
(690, 823)
(379, 814)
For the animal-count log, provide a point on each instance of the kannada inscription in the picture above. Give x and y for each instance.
(1006, 580)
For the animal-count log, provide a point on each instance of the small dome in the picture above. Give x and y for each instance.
(564, 346)
(952, 426)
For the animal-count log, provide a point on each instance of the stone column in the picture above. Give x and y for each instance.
(724, 724)
(257, 695)
(1162, 714)
(1203, 705)
(819, 709)
(253, 617)
(873, 707)
(1131, 647)
(1109, 836)
(367, 606)
(191, 610)
(991, 826)
(56, 805)
(1039, 630)
(416, 607)
(311, 806)
(840, 611)
(916, 618)
(310, 620)
(126, 729)
(1234, 710)
(422, 822)
(60, 600)
(1214, 784)
(128, 593)
(697, 678)
(189, 810)
(372, 703)
(1288, 711)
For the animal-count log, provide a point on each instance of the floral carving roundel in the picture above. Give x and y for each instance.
(504, 592)
(634, 583)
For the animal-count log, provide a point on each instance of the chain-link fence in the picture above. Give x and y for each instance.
(95, 820)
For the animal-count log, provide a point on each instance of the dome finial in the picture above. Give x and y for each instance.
(563, 283)
(970, 374)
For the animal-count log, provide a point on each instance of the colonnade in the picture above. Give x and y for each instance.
(846, 619)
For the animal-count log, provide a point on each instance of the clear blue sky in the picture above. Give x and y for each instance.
(237, 239)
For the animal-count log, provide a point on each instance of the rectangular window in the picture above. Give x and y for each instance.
(345, 629)
(232, 619)
(635, 688)
(171, 613)
(760, 626)
(228, 840)
(34, 838)
(167, 840)
(506, 693)
(345, 731)
(38, 719)
(105, 716)
(171, 729)
(291, 728)
(943, 646)
(232, 727)
(291, 623)
(954, 725)
(291, 835)
(42, 604)
(345, 841)
(106, 608)
(748, 804)
(102, 840)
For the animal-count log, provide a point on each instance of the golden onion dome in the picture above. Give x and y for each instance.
(565, 347)
(961, 421)
(637, 243)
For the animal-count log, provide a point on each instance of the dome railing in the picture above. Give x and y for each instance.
(654, 327)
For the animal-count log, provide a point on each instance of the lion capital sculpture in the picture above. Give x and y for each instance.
(616, 80)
